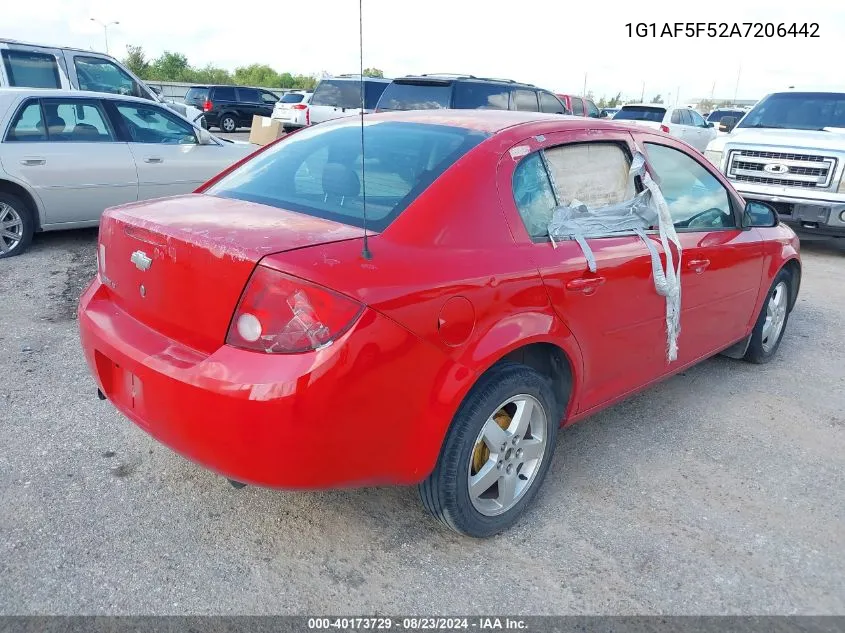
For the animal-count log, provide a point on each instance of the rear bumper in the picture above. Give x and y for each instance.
(347, 415)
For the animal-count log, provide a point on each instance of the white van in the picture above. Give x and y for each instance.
(340, 96)
(24, 65)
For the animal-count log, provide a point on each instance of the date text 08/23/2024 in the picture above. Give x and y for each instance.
(723, 29)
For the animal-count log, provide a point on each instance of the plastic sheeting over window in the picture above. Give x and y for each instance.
(615, 214)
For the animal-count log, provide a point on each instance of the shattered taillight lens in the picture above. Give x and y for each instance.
(279, 314)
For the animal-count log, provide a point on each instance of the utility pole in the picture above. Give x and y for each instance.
(584, 94)
(712, 91)
(677, 95)
(105, 26)
(642, 96)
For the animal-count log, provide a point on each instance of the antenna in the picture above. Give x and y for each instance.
(365, 251)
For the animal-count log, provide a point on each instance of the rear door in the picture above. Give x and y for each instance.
(721, 263)
(615, 314)
(705, 133)
(524, 100)
(166, 150)
(67, 150)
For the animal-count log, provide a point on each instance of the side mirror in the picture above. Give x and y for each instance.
(205, 137)
(155, 89)
(759, 214)
(602, 114)
(709, 124)
(727, 123)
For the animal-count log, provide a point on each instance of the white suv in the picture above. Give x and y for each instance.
(292, 110)
(683, 123)
(341, 96)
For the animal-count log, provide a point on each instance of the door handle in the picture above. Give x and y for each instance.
(153, 159)
(587, 285)
(698, 265)
(32, 162)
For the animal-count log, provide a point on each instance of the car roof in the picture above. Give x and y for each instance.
(448, 77)
(63, 48)
(494, 121)
(647, 105)
(47, 93)
(356, 78)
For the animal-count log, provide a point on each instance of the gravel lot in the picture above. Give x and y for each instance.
(720, 491)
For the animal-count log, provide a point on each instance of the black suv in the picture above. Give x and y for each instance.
(466, 92)
(230, 107)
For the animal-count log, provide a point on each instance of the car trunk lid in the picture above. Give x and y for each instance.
(179, 265)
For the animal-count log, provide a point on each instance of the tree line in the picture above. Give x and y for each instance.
(171, 66)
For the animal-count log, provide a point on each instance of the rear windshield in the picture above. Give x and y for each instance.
(641, 113)
(419, 96)
(196, 95)
(318, 171)
(346, 93)
(292, 98)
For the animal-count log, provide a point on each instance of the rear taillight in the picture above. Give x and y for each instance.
(279, 314)
(207, 106)
(299, 106)
(664, 128)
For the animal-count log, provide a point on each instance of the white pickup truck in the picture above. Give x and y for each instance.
(789, 151)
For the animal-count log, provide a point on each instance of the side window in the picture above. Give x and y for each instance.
(549, 103)
(697, 120)
(532, 192)
(592, 109)
(28, 124)
(151, 124)
(695, 197)
(577, 106)
(372, 93)
(676, 117)
(76, 120)
(224, 93)
(686, 118)
(268, 97)
(31, 70)
(477, 95)
(249, 95)
(525, 100)
(101, 75)
(593, 173)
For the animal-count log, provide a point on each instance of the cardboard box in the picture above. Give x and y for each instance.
(264, 130)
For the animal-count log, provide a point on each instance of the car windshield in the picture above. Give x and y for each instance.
(292, 97)
(717, 115)
(641, 113)
(415, 96)
(319, 171)
(798, 111)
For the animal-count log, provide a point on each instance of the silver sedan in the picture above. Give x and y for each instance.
(66, 156)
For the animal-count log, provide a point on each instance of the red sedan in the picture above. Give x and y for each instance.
(254, 329)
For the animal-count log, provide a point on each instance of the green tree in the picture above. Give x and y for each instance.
(304, 82)
(257, 75)
(602, 103)
(171, 67)
(658, 98)
(617, 100)
(136, 61)
(213, 75)
(373, 72)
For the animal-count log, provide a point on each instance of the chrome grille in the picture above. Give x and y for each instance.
(795, 170)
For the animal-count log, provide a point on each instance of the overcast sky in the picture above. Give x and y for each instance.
(545, 42)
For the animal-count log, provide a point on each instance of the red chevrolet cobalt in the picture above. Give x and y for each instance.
(314, 319)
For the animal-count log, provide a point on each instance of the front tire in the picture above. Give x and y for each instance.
(771, 323)
(17, 224)
(496, 453)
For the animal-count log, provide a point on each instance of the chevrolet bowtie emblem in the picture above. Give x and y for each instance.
(141, 260)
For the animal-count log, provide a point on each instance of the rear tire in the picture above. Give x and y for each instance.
(771, 323)
(17, 225)
(228, 123)
(510, 453)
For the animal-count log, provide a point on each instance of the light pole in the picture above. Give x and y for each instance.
(105, 26)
